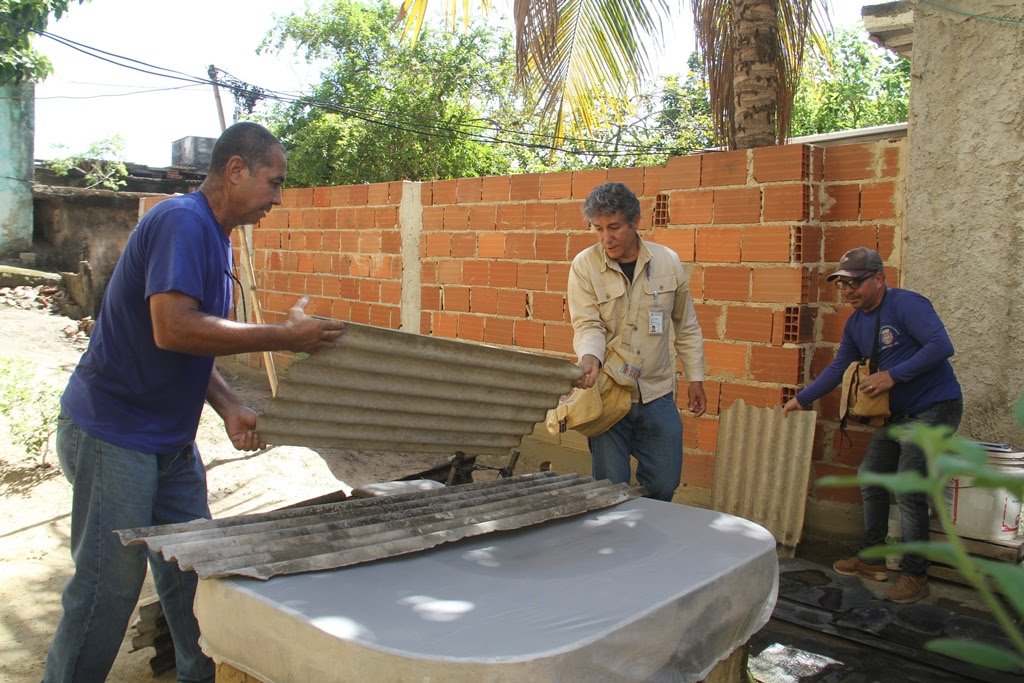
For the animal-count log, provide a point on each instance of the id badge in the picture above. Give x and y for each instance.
(656, 322)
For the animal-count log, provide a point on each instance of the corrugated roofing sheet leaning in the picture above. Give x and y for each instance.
(321, 537)
(762, 468)
(382, 389)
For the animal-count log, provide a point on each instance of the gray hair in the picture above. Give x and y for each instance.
(610, 198)
(246, 139)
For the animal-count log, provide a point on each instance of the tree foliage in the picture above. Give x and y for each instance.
(575, 54)
(386, 110)
(102, 165)
(685, 121)
(19, 21)
(29, 405)
(862, 85)
(448, 106)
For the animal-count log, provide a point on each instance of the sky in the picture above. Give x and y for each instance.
(88, 99)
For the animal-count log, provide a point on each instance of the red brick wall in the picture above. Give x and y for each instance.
(759, 229)
(338, 245)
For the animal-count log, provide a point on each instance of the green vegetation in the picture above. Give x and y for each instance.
(387, 111)
(950, 456)
(102, 165)
(574, 56)
(861, 85)
(448, 105)
(19, 20)
(29, 404)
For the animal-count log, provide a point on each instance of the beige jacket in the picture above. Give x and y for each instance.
(606, 309)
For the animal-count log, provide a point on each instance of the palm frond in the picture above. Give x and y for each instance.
(413, 12)
(573, 52)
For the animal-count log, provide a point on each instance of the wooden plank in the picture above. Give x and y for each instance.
(1005, 550)
(945, 572)
(229, 674)
(251, 298)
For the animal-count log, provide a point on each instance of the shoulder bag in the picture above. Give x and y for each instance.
(855, 404)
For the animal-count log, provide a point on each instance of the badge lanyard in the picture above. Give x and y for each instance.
(655, 316)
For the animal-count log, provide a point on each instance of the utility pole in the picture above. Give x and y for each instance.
(248, 275)
(212, 72)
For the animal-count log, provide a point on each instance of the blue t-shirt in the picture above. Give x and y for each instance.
(125, 389)
(912, 345)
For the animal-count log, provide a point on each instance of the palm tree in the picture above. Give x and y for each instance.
(573, 53)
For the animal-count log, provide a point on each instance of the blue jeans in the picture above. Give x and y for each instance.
(888, 455)
(653, 434)
(118, 488)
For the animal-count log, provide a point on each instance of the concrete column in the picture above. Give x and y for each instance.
(17, 130)
(410, 223)
(965, 197)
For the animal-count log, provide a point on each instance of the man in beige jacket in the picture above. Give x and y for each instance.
(632, 296)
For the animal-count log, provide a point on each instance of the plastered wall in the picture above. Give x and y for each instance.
(965, 197)
(17, 116)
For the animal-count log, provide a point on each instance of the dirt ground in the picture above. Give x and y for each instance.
(35, 560)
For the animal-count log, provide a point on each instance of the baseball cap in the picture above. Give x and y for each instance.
(858, 262)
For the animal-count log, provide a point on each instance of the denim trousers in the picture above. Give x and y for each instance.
(887, 454)
(119, 488)
(653, 434)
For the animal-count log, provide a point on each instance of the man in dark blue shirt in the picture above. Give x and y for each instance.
(913, 366)
(127, 428)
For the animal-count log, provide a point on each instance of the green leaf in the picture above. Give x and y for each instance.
(19, 61)
(1009, 578)
(905, 482)
(982, 654)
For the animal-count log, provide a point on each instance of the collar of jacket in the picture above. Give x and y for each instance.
(643, 257)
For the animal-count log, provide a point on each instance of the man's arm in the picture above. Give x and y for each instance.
(589, 330)
(918, 318)
(179, 325)
(689, 344)
(239, 420)
(830, 377)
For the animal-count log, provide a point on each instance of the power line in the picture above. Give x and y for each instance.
(375, 117)
(972, 15)
(116, 94)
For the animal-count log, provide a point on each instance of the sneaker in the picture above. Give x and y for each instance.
(908, 589)
(854, 567)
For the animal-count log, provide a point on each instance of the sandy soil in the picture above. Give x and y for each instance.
(35, 512)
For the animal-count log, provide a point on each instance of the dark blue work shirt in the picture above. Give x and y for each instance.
(125, 389)
(912, 345)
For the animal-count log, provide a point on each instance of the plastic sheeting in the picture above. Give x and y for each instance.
(645, 590)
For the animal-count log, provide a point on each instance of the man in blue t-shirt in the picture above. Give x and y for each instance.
(913, 366)
(129, 416)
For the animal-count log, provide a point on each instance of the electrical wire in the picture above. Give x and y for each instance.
(116, 94)
(973, 15)
(376, 117)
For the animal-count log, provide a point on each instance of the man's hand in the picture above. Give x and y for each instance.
(698, 401)
(240, 424)
(309, 333)
(877, 383)
(791, 405)
(591, 367)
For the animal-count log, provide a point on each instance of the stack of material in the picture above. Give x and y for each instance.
(385, 390)
(323, 537)
(150, 630)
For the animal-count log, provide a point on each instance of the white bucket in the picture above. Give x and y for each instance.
(984, 513)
